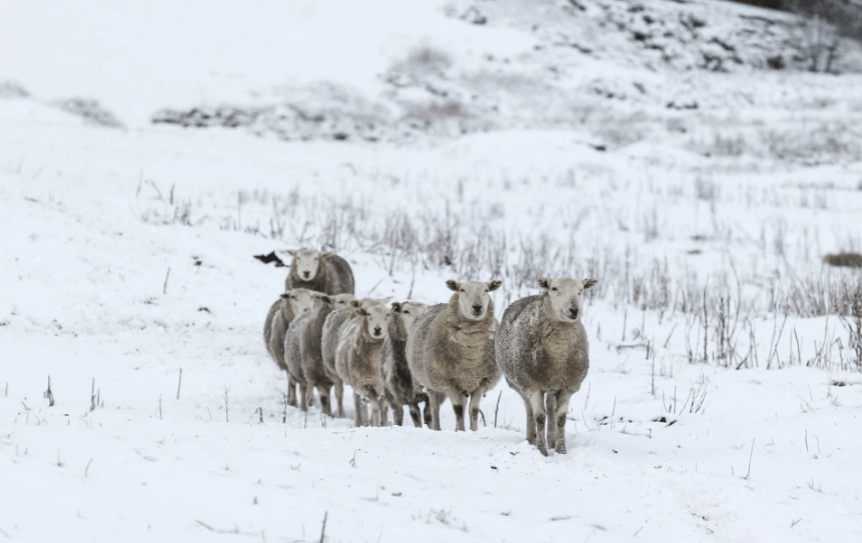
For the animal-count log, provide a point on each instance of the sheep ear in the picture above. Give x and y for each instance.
(355, 304)
(361, 311)
(291, 252)
(453, 285)
(286, 295)
(396, 307)
(590, 283)
(383, 301)
(325, 299)
(545, 283)
(324, 254)
(494, 285)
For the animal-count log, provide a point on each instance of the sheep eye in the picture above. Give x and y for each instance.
(554, 289)
(406, 312)
(462, 290)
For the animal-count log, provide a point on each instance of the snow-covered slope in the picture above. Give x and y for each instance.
(724, 394)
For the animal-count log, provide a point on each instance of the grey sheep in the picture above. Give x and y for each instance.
(450, 350)
(542, 348)
(331, 334)
(293, 351)
(321, 271)
(310, 348)
(281, 313)
(393, 366)
(357, 360)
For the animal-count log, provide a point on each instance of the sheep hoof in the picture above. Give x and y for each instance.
(543, 450)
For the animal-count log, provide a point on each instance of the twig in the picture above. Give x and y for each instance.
(160, 407)
(669, 336)
(93, 395)
(226, 406)
(180, 383)
(49, 394)
(165, 286)
(496, 409)
(87, 469)
(750, 456)
(260, 412)
(323, 527)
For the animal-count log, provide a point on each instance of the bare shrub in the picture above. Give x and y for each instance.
(822, 28)
(423, 59)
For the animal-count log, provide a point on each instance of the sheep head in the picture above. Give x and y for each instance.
(566, 296)
(473, 297)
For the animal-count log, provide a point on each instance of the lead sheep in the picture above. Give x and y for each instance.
(357, 361)
(321, 271)
(542, 348)
(395, 373)
(450, 351)
(330, 336)
(281, 314)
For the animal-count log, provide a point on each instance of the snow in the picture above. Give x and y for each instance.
(127, 270)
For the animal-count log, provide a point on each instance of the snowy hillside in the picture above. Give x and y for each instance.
(423, 141)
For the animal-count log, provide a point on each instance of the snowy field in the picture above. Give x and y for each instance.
(724, 396)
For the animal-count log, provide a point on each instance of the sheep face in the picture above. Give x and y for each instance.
(566, 296)
(301, 300)
(374, 319)
(408, 311)
(306, 262)
(473, 297)
(340, 301)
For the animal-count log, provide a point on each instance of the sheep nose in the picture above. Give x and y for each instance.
(573, 313)
(307, 274)
(377, 330)
(477, 308)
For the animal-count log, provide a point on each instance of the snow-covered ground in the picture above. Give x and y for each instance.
(127, 279)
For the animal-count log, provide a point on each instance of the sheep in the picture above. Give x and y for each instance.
(331, 334)
(393, 365)
(450, 350)
(281, 313)
(542, 348)
(293, 351)
(310, 348)
(357, 360)
(321, 271)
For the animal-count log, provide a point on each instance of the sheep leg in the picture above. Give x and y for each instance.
(531, 423)
(551, 408)
(358, 408)
(563, 398)
(384, 413)
(339, 399)
(458, 400)
(475, 398)
(323, 392)
(291, 391)
(539, 414)
(303, 397)
(415, 414)
(435, 399)
(426, 412)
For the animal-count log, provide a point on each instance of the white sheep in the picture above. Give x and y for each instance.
(357, 360)
(450, 350)
(331, 335)
(395, 372)
(321, 271)
(542, 348)
(278, 320)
